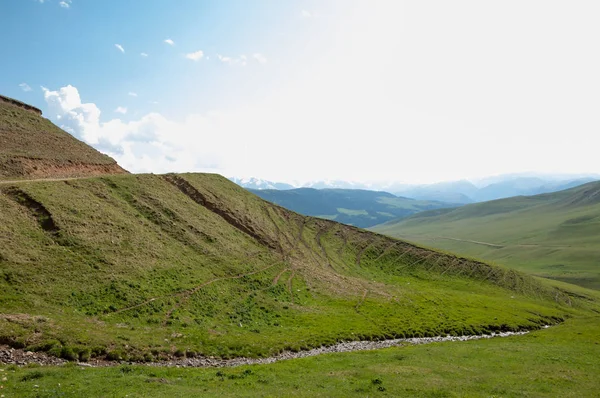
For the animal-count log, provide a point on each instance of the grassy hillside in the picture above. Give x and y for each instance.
(361, 208)
(148, 266)
(31, 146)
(554, 235)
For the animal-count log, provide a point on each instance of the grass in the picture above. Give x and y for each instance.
(25, 135)
(552, 235)
(560, 361)
(138, 265)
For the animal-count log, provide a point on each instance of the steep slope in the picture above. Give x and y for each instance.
(31, 147)
(358, 207)
(148, 266)
(554, 235)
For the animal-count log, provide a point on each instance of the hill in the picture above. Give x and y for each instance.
(361, 208)
(148, 266)
(554, 235)
(498, 187)
(32, 147)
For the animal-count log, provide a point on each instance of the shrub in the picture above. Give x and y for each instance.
(36, 374)
(68, 354)
(98, 351)
(180, 353)
(85, 354)
(115, 355)
(148, 357)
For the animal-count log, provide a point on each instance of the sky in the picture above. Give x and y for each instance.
(295, 91)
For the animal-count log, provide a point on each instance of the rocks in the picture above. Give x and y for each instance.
(19, 357)
(11, 356)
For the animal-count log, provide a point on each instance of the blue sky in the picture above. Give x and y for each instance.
(54, 46)
(364, 90)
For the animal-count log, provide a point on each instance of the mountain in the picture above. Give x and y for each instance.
(257, 183)
(460, 192)
(452, 192)
(524, 186)
(361, 208)
(32, 147)
(554, 235)
(146, 267)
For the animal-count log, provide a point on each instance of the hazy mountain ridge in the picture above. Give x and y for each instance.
(361, 208)
(455, 192)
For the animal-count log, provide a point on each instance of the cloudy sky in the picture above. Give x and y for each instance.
(373, 90)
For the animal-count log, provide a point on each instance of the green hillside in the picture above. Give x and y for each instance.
(358, 207)
(554, 235)
(32, 147)
(148, 266)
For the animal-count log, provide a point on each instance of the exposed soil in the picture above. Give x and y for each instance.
(20, 104)
(187, 188)
(19, 168)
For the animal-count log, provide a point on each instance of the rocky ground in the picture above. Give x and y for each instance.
(12, 356)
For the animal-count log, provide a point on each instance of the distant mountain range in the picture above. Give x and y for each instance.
(257, 183)
(455, 192)
(361, 208)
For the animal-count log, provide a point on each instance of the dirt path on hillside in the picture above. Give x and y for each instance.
(2, 182)
(472, 241)
(488, 244)
(20, 357)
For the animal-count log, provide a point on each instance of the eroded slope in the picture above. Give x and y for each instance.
(31, 147)
(155, 265)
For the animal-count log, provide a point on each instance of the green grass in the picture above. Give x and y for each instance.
(552, 235)
(135, 265)
(558, 362)
(351, 212)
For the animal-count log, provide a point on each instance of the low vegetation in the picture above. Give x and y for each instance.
(554, 235)
(144, 266)
(559, 361)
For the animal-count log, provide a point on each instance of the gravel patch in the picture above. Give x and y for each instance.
(20, 357)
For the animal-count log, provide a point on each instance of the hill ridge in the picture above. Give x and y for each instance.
(20, 104)
(31, 147)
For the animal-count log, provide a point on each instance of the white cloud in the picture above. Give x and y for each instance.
(306, 14)
(241, 60)
(170, 42)
(132, 94)
(260, 58)
(144, 55)
(122, 110)
(436, 102)
(25, 87)
(195, 56)
(65, 3)
(120, 48)
(149, 144)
